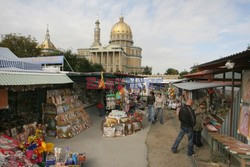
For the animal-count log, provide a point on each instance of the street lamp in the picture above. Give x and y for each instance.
(229, 64)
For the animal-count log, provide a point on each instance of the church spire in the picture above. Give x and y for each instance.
(47, 36)
(97, 34)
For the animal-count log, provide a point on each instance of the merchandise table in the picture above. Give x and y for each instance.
(232, 147)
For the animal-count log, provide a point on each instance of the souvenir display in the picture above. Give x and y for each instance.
(108, 131)
(12, 125)
(119, 130)
(137, 126)
(110, 101)
(215, 106)
(118, 124)
(87, 96)
(10, 155)
(64, 114)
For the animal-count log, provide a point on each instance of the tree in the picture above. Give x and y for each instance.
(183, 73)
(80, 64)
(20, 45)
(171, 71)
(147, 71)
(97, 67)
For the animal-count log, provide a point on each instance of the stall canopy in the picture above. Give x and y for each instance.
(203, 85)
(9, 59)
(15, 78)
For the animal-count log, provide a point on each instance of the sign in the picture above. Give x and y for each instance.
(243, 127)
(4, 99)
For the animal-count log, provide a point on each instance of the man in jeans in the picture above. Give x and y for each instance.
(159, 105)
(188, 120)
(150, 104)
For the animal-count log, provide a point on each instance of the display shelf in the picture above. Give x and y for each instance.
(65, 119)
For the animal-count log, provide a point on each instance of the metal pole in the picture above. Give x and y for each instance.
(223, 90)
(232, 105)
(68, 64)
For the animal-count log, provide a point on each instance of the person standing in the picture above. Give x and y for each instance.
(159, 105)
(188, 121)
(198, 126)
(150, 104)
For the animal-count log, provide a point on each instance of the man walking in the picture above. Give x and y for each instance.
(188, 120)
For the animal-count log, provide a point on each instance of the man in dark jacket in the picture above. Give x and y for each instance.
(188, 120)
(150, 104)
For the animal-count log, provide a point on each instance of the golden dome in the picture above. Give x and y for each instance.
(47, 44)
(121, 34)
(121, 28)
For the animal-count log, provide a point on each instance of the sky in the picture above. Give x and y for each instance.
(172, 33)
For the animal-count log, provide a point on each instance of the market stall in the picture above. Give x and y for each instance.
(208, 95)
(228, 106)
(23, 89)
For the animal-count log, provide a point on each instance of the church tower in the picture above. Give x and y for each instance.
(47, 47)
(97, 34)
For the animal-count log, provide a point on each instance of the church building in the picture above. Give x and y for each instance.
(120, 55)
(47, 47)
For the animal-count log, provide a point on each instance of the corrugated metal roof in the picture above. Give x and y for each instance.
(203, 85)
(18, 78)
(243, 54)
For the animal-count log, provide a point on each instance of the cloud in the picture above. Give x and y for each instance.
(173, 33)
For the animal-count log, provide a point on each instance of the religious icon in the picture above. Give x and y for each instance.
(246, 87)
(244, 120)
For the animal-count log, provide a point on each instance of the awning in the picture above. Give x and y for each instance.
(9, 59)
(22, 78)
(203, 85)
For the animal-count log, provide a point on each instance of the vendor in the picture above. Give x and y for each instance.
(199, 113)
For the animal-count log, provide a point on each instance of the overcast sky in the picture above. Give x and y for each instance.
(171, 33)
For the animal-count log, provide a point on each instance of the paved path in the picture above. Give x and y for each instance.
(108, 152)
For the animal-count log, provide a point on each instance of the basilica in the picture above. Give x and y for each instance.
(120, 55)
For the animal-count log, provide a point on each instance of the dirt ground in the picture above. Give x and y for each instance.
(161, 138)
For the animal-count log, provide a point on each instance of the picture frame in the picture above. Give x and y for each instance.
(22, 137)
(30, 129)
(244, 120)
(13, 132)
